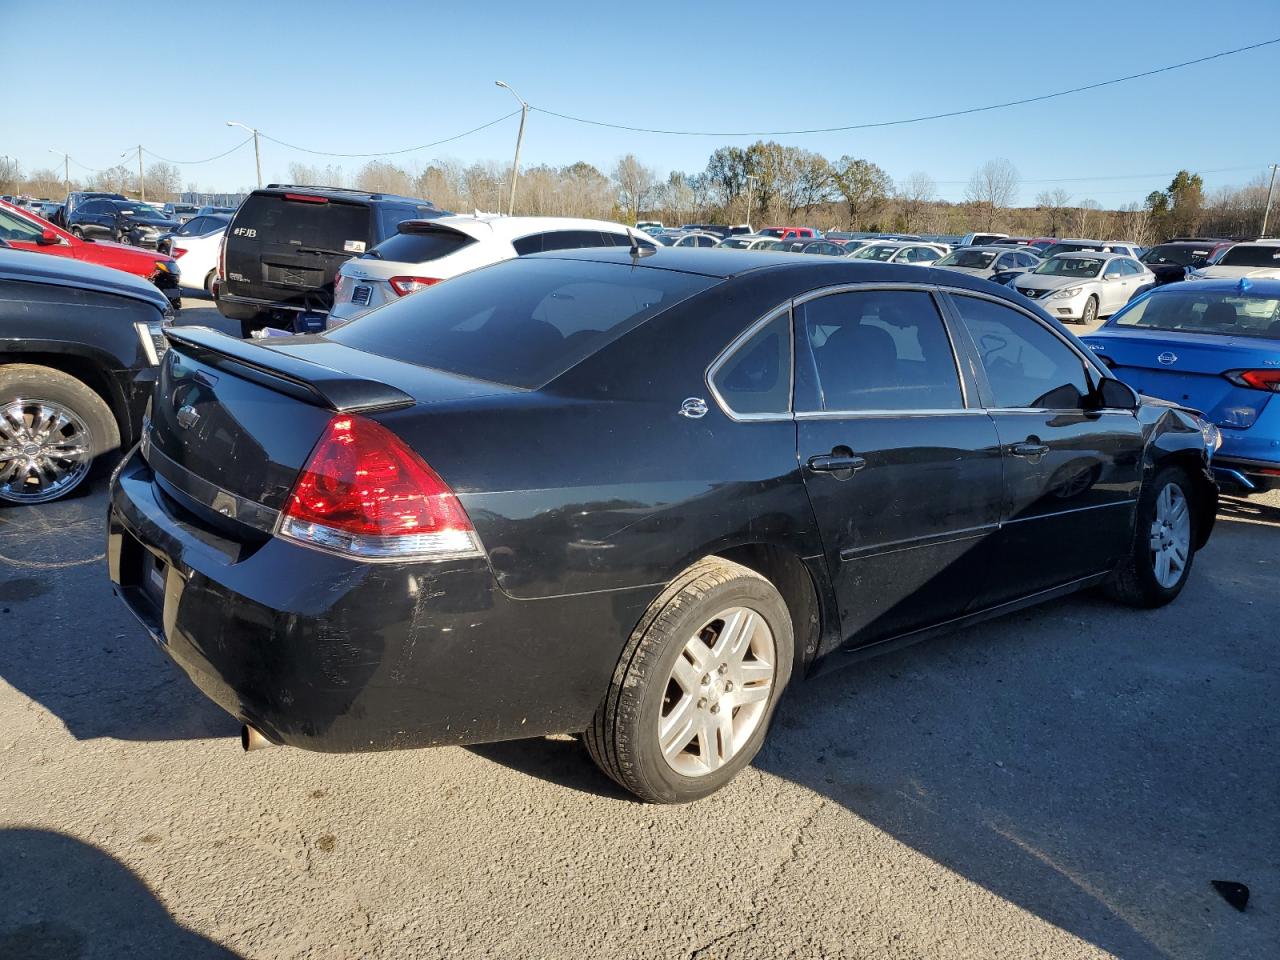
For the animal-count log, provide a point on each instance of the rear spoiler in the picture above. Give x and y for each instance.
(303, 380)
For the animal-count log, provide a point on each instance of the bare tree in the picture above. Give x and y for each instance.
(10, 175)
(992, 188)
(635, 184)
(1054, 204)
(1085, 217)
(45, 182)
(164, 181)
(913, 195)
(382, 176)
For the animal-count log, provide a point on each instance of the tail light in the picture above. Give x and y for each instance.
(407, 285)
(1256, 379)
(177, 252)
(364, 494)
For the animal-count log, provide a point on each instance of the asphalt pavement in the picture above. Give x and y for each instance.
(1065, 783)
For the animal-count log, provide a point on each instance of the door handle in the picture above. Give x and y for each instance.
(836, 463)
(1029, 449)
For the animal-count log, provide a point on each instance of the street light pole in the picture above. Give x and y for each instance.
(515, 166)
(257, 157)
(142, 183)
(66, 168)
(1266, 211)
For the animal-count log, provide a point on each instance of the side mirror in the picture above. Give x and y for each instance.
(48, 239)
(1115, 395)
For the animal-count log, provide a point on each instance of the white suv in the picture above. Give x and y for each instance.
(424, 252)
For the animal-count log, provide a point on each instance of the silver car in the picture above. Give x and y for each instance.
(989, 260)
(899, 251)
(746, 241)
(1084, 286)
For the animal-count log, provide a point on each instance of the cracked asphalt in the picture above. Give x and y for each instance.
(1061, 783)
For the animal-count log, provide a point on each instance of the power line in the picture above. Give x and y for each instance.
(392, 153)
(205, 160)
(933, 116)
(1124, 176)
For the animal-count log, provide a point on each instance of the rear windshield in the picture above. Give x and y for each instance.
(419, 246)
(1204, 312)
(522, 322)
(1248, 255)
(1176, 254)
(330, 226)
(973, 259)
(874, 252)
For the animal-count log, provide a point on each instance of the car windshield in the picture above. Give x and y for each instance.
(873, 251)
(1058, 248)
(1175, 254)
(522, 322)
(1251, 255)
(734, 244)
(1184, 308)
(1081, 267)
(974, 259)
(668, 239)
(772, 232)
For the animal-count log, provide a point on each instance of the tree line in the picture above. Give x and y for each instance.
(765, 182)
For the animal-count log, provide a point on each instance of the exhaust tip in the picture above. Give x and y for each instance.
(251, 738)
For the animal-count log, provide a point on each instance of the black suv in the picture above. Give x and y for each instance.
(285, 244)
(79, 348)
(125, 221)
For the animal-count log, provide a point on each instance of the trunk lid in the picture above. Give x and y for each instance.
(1188, 368)
(233, 422)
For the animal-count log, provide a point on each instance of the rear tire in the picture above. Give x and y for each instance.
(1163, 549)
(694, 691)
(77, 233)
(26, 388)
(208, 282)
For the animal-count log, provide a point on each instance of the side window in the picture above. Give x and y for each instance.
(617, 239)
(93, 207)
(1027, 260)
(1027, 365)
(13, 227)
(527, 245)
(192, 228)
(1007, 261)
(1130, 267)
(706, 241)
(1114, 269)
(756, 377)
(877, 350)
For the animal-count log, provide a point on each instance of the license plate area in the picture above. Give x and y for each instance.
(143, 583)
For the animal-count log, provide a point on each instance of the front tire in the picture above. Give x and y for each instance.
(1164, 538)
(1090, 311)
(77, 233)
(54, 433)
(694, 691)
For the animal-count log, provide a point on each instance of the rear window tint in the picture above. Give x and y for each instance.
(521, 322)
(561, 240)
(333, 226)
(419, 246)
(1248, 255)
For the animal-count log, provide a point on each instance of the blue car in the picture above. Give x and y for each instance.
(1213, 345)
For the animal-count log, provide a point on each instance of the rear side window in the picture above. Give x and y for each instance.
(419, 246)
(329, 226)
(1248, 255)
(561, 240)
(521, 322)
(756, 377)
(1026, 365)
(879, 350)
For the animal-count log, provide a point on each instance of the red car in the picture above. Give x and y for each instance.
(23, 230)
(790, 233)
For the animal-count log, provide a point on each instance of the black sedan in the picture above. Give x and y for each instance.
(125, 221)
(631, 496)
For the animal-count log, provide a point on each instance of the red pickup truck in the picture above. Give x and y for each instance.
(23, 230)
(790, 233)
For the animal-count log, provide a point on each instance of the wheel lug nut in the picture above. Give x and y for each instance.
(722, 669)
(706, 679)
(728, 686)
(702, 703)
(715, 708)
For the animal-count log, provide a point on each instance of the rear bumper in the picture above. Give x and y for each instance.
(329, 654)
(1247, 475)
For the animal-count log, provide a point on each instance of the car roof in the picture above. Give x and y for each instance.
(1090, 255)
(497, 227)
(1252, 287)
(344, 193)
(63, 271)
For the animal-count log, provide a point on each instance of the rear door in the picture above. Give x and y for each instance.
(1071, 474)
(903, 476)
(287, 247)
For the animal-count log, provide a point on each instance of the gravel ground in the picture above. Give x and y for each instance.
(1062, 783)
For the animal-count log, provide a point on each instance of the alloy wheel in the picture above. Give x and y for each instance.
(45, 450)
(1170, 536)
(718, 692)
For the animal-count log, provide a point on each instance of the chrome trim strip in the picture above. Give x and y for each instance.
(962, 535)
(1059, 513)
(829, 414)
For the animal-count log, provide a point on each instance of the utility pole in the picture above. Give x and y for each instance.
(257, 156)
(66, 168)
(142, 183)
(751, 182)
(515, 167)
(1266, 211)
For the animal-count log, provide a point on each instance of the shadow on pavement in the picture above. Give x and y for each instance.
(68, 643)
(61, 899)
(1253, 508)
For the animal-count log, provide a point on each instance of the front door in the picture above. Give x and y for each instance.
(1071, 471)
(904, 479)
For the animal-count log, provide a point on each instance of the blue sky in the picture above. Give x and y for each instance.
(359, 78)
